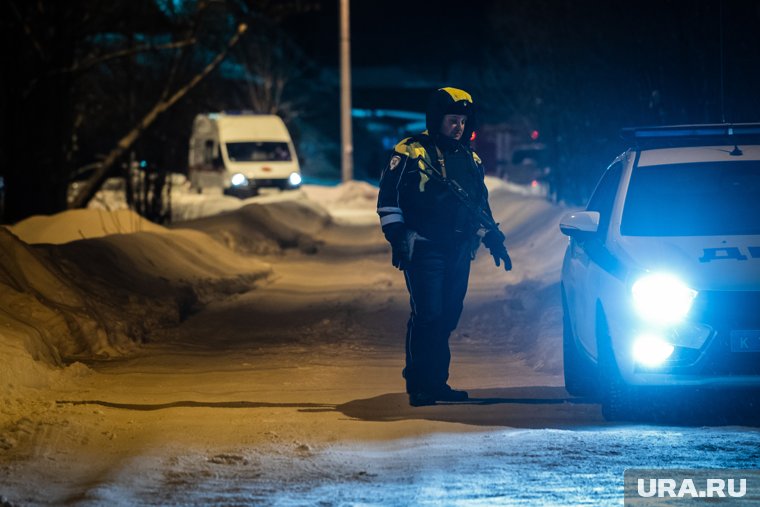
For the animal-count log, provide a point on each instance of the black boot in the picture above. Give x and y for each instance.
(421, 399)
(446, 393)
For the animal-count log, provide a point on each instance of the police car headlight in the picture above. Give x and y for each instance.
(651, 350)
(239, 180)
(662, 299)
(294, 179)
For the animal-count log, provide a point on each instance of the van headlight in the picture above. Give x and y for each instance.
(662, 298)
(294, 179)
(239, 180)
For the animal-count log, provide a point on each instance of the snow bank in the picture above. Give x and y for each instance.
(80, 224)
(353, 202)
(94, 282)
(34, 295)
(269, 224)
(101, 296)
(191, 206)
(349, 195)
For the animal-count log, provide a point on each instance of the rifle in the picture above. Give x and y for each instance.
(481, 215)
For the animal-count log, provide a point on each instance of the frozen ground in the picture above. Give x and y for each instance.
(253, 357)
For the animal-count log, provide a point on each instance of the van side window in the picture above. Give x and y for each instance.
(603, 198)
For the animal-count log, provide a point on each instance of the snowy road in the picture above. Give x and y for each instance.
(291, 395)
(286, 389)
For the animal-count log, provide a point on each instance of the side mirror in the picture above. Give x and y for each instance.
(580, 224)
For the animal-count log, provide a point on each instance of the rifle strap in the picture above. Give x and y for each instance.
(441, 160)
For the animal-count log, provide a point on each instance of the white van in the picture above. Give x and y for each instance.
(241, 153)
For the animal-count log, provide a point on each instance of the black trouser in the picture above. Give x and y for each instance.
(437, 282)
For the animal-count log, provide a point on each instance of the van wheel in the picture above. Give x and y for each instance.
(580, 371)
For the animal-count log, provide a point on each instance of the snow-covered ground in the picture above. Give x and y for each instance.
(251, 354)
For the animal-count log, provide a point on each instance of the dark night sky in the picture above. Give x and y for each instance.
(668, 45)
(388, 32)
(579, 70)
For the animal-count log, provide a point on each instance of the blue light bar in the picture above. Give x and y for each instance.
(714, 130)
(692, 135)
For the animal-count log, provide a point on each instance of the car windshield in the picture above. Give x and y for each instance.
(258, 152)
(697, 199)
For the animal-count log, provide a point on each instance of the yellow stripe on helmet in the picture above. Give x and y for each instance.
(457, 94)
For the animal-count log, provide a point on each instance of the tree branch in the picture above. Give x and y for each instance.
(28, 31)
(92, 185)
(92, 62)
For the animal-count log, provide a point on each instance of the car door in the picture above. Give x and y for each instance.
(581, 270)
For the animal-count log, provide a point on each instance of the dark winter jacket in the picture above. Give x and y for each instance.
(426, 206)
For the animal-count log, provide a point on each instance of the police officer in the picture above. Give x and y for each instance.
(434, 236)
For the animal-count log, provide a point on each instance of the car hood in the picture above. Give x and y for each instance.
(704, 263)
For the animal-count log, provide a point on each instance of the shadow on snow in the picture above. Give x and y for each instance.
(517, 407)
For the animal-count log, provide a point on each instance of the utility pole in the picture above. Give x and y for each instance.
(347, 145)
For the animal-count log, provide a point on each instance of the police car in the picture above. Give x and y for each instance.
(661, 277)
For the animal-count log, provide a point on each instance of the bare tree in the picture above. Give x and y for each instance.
(58, 49)
(92, 185)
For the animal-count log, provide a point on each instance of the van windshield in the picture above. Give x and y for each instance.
(697, 199)
(258, 151)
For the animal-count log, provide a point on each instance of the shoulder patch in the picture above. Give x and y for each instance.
(395, 159)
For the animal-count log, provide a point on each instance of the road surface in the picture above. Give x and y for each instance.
(290, 394)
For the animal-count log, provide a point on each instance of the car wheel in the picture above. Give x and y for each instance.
(618, 398)
(580, 371)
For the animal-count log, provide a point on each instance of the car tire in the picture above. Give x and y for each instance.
(580, 372)
(618, 398)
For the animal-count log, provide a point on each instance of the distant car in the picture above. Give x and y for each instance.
(661, 278)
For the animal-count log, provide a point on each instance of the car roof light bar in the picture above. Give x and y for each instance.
(689, 135)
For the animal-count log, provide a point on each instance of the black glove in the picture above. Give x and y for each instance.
(401, 255)
(494, 241)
